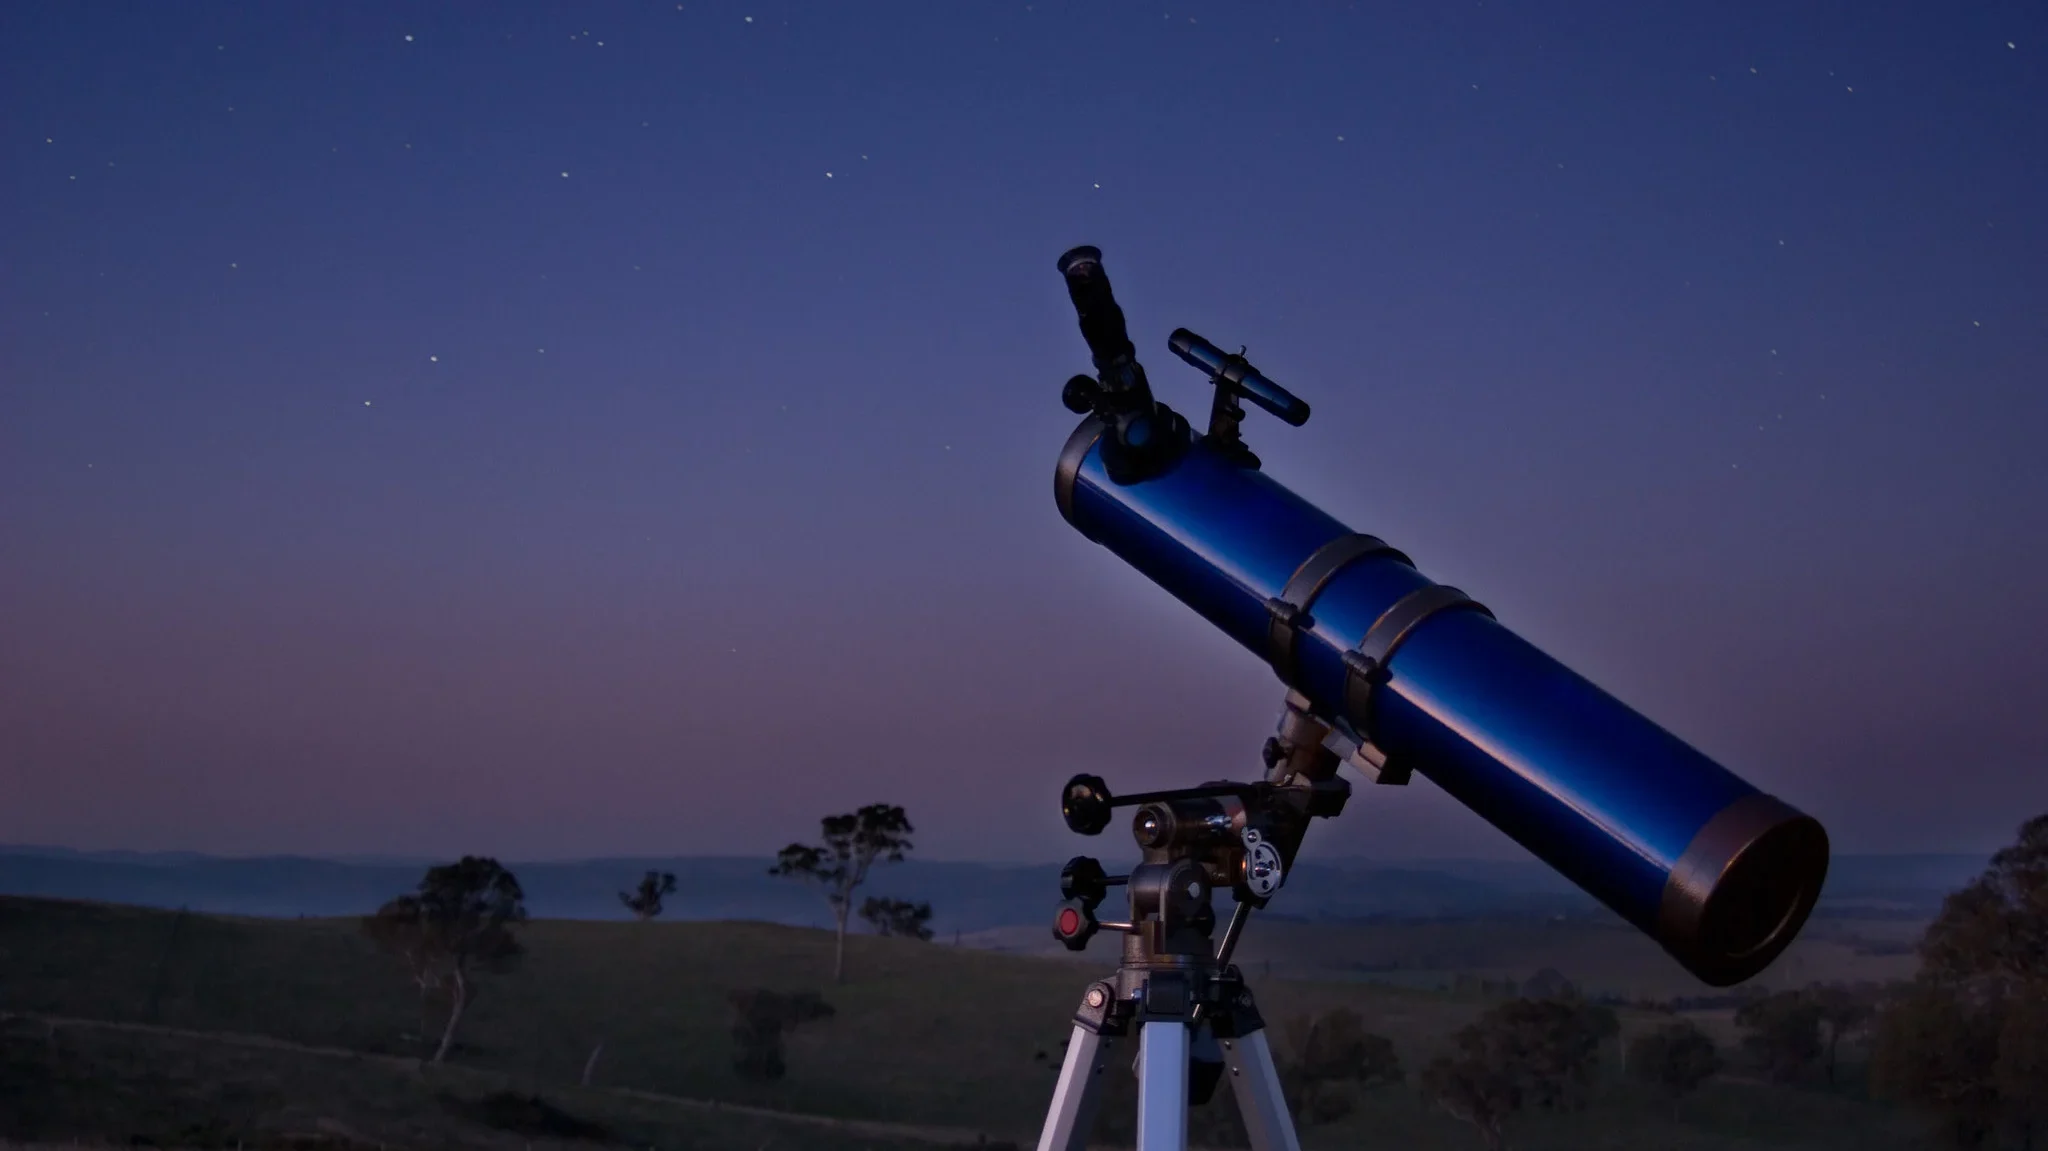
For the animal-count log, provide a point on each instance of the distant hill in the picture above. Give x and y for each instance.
(967, 897)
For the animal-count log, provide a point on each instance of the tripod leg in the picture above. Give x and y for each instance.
(1073, 1102)
(1249, 1063)
(1163, 1085)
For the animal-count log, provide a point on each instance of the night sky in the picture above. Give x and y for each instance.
(453, 428)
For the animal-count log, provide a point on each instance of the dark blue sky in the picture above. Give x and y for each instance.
(439, 428)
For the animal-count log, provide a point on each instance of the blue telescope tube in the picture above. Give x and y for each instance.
(1719, 873)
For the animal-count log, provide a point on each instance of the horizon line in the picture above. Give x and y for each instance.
(396, 859)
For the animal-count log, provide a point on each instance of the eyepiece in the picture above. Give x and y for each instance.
(1102, 322)
(1086, 253)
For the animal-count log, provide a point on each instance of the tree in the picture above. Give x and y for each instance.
(1522, 1053)
(1844, 1013)
(1962, 1039)
(898, 917)
(645, 901)
(1328, 1056)
(760, 1018)
(1471, 1091)
(1674, 1058)
(458, 924)
(852, 844)
(1994, 932)
(1551, 1048)
(2021, 1073)
(1783, 1034)
(1938, 1051)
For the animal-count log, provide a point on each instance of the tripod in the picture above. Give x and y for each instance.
(1175, 991)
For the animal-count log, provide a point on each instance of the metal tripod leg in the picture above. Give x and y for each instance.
(1248, 1060)
(1072, 1113)
(1163, 1085)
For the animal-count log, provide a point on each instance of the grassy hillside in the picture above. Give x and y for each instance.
(923, 1034)
(126, 1086)
(1603, 955)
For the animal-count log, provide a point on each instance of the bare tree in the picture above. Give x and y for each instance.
(644, 901)
(458, 924)
(852, 844)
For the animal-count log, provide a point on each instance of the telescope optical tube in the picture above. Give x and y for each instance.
(1721, 874)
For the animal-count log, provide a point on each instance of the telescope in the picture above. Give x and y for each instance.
(1391, 673)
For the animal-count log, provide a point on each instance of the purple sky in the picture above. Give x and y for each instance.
(448, 428)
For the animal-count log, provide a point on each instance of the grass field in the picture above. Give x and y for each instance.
(1602, 955)
(951, 1041)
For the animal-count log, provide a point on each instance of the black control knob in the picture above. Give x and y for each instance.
(1083, 879)
(1086, 804)
(1081, 395)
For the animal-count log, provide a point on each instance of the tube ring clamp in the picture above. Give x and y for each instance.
(1366, 666)
(1289, 610)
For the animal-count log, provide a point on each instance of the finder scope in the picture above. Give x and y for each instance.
(1412, 676)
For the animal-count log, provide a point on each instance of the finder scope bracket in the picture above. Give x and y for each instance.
(1235, 379)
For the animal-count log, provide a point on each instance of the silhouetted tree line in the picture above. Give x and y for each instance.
(1965, 1040)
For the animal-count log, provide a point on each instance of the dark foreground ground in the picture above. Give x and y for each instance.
(143, 1027)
